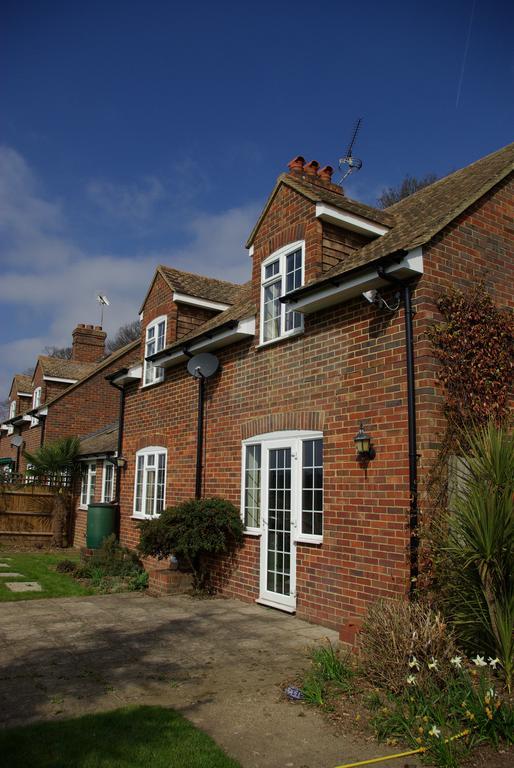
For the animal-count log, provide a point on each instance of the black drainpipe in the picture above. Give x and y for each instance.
(121, 418)
(411, 419)
(42, 420)
(199, 438)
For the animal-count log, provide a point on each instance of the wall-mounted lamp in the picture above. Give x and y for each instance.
(365, 451)
(121, 462)
(374, 297)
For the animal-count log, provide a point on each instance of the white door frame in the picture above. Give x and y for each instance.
(292, 440)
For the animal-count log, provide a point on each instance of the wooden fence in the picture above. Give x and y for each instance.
(30, 514)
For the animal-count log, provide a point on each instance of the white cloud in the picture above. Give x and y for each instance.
(46, 274)
(133, 202)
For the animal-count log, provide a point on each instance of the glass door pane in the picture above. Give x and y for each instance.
(278, 571)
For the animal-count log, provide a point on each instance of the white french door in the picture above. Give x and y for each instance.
(279, 507)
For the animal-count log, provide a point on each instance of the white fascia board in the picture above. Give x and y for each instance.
(410, 266)
(62, 381)
(135, 373)
(42, 411)
(250, 250)
(23, 394)
(245, 329)
(349, 220)
(185, 298)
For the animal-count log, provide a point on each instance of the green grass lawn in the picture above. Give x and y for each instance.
(134, 737)
(39, 566)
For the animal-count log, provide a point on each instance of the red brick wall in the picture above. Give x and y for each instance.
(348, 366)
(90, 406)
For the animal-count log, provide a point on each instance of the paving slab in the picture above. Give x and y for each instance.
(5, 565)
(12, 574)
(222, 663)
(23, 586)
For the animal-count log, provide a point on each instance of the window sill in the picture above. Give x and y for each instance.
(272, 604)
(288, 336)
(256, 534)
(144, 517)
(83, 507)
(309, 540)
(152, 384)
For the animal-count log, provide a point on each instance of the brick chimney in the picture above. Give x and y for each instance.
(88, 343)
(313, 173)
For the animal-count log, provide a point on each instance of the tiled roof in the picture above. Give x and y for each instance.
(244, 307)
(200, 286)
(23, 383)
(102, 441)
(422, 215)
(318, 193)
(96, 368)
(64, 369)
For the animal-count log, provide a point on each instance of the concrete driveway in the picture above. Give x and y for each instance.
(222, 663)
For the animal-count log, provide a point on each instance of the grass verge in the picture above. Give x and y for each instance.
(134, 737)
(39, 567)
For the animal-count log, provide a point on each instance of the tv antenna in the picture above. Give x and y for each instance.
(104, 302)
(201, 367)
(348, 164)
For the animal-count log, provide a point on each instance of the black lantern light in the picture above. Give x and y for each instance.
(362, 440)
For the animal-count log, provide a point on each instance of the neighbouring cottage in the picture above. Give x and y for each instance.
(305, 359)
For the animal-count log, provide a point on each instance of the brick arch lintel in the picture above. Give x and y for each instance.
(151, 439)
(279, 422)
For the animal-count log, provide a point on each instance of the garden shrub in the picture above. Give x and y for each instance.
(66, 566)
(193, 531)
(396, 632)
(110, 568)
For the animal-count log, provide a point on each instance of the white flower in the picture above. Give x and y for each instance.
(411, 679)
(434, 731)
(490, 693)
(414, 663)
(432, 664)
(479, 661)
(494, 662)
(457, 662)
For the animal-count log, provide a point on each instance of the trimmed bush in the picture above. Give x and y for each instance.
(193, 531)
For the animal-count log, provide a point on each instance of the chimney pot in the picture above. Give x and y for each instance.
(325, 173)
(296, 164)
(88, 343)
(311, 168)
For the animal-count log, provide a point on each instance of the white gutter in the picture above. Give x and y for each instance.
(245, 329)
(185, 298)
(135, 373)
(343, 289)
(62, 381)
(349, 220)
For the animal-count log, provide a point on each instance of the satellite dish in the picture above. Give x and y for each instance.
(203, 366)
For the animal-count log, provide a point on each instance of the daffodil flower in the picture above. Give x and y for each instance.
(414, 663)
(411, 679)
(457, 662)
(494, 662)
(479, 661)
(434, 731)
(432, 664)
(490, 693)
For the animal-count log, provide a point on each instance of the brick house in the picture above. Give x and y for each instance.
(305, 359)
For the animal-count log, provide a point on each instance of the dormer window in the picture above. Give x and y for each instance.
(282, 272)
(36, 402)
(155, 341)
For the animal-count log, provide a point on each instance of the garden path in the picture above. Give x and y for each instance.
(222, 663)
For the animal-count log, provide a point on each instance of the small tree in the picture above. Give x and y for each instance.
(407, 187)
(63, 353)
(193, 531)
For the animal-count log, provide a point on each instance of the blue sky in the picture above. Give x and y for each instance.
(134, 133)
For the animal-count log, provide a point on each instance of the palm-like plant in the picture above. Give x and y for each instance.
(480, 546)
(54, 459)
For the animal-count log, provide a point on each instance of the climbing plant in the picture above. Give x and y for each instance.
(474, 345)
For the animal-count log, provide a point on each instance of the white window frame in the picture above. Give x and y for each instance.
(281, 256)
(144, 453)
(36, 402)
(108, 465)
(293, 440)
(12, 409)
(153, 372)
(89, 496)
